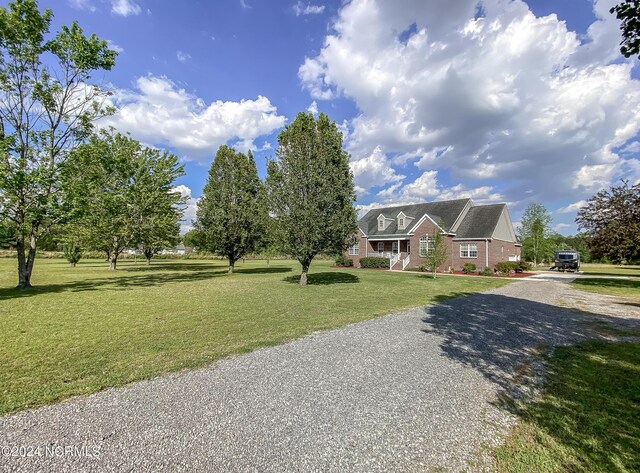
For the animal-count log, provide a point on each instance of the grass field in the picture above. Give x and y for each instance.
(587, 418)
(610, 286)
(82, 329)
(595, 269)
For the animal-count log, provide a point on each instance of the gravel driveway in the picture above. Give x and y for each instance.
(414, 391)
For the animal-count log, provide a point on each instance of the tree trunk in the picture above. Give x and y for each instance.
(24, 277)
(231, 267)
(25, 262)
(303, 276)
(113, 262)
(148, 254)
(73, 265)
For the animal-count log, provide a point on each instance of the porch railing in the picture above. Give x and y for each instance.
(405, 261)
(394, 260)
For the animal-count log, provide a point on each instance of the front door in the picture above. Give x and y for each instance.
(394, 247)
(408, 247)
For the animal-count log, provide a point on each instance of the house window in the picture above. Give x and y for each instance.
(380, 247)
(380, 224)
(354, 250)
(394, 247)
(468, 250)
(426, 245)
(401, 223)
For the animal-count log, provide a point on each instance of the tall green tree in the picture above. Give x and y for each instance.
(46, 106)
(311, 190)
(123, 194)
(231, 214)
(611, 219)
(159, 207)
(628, 12)
(534, 233)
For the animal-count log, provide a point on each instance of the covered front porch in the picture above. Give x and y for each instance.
(397, 250)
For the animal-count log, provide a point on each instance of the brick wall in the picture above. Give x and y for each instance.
(426, 228)
(498, 250)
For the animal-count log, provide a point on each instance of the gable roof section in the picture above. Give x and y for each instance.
(446, 211)
(480, 221)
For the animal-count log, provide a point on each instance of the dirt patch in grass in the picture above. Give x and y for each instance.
(573, 296)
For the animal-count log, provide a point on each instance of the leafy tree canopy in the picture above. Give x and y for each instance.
(311, 190)
(628, 12)
(611, 219)
(534, 233)
(123, 194)
(231, 214)
(438, 252)
(47, 106)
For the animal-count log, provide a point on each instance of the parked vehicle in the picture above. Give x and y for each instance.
(567, 260)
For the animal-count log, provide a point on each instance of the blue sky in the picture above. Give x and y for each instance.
(498, 100)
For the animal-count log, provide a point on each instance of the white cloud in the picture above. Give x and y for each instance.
(125, 7)
(244, 4)
(160, 112)
(594, 177)
(423, 188)
(427, 188)
(191, 206)
(308, 9)
(183, 57)
(603, 37)
(114, 46)
(479, 195)
(572, 207)
(506, 97)
(373, 171)
(559, 227)
(82, 5)
(633, 147)
(313, 108)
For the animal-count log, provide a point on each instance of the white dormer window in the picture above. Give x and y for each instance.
(381, 224)
(402, 221)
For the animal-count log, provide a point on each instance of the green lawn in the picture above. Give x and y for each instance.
(610, 286)
(587, 420)
(610, 269)
(86, 328)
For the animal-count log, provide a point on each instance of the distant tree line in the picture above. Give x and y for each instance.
(540, 242)
(610, 221)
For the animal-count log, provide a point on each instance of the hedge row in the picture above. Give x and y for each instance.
(374, 262)
(505, 267)
(344, 262)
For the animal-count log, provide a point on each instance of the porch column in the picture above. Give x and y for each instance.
(486, 253)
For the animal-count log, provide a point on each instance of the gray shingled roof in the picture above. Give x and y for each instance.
(480, 221)
(445, 211)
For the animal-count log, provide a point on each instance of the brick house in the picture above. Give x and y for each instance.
(478, 234)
